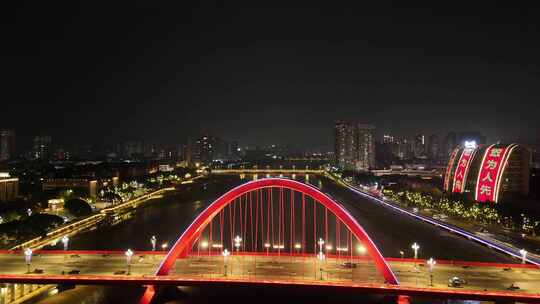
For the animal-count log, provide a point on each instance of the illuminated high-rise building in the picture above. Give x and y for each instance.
(420, 146)
(7, 144)
(433, 146)
(365, 159)
(205, 148)
(354, 146)
(345, 145)
(41, 148)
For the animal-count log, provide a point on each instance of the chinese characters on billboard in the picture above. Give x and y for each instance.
(490, 173)
(460, 176)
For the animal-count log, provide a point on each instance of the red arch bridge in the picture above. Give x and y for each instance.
(280, 232)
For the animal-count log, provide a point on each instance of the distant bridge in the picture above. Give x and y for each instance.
(268, 170)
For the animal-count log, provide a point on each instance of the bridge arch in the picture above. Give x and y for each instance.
(184, 243)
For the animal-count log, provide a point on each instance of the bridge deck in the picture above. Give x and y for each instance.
(484, 281)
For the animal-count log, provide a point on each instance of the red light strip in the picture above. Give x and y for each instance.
(501, 173)
(449, 168)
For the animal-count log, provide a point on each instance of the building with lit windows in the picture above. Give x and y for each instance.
(88, 186)
(41, 148)
(205, 148)
(9, 187)
(354, 146)
(345, 145)
(487, 173)
(7, 144)
(420, 146)
(366, 147)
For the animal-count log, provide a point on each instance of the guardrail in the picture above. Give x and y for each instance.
(370, 288)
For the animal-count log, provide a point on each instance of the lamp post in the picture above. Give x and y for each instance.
(431, 262)
(267, 246)
(129, 255)
(153, 241)
(402, 254)
(237, 241)
(65, 241)
(362, 249)
(28, 258)
(225, 254)
(415, 247)
(164, 246)
(204, 245)
(523, 253)
(321, 255)
(297, 247)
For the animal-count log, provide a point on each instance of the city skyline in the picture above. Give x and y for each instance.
(45, 144)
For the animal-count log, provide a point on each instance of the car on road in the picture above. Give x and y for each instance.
(456, 282)
(37, 270)
(440, 217)
(74, 271)
(348, 265)
(513, 287)
(119, 272)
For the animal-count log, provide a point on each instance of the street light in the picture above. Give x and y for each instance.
(164, 246)
(523, 253)
(415, 247)
(28, 258)
(65, 241)
(321, 254)
(267, 246)
(431, 262)
(297, 246)
(362, 249)
(401, 253)
(153, 241)
(225, 254)
(129, 255)
(237, 241)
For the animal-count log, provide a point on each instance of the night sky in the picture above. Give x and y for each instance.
(106, 72)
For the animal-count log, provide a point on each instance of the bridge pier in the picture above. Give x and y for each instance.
(18, 293)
